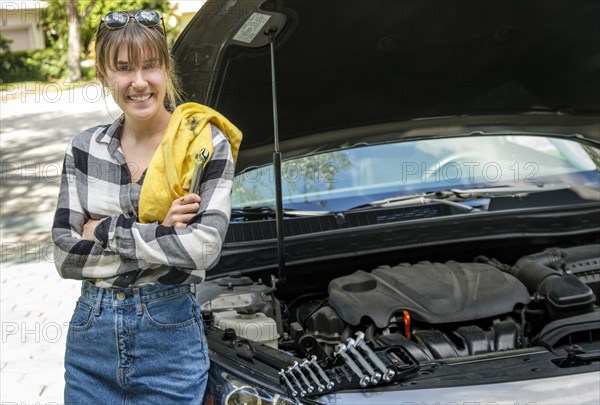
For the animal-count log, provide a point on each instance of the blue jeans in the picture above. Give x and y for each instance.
(136, 346)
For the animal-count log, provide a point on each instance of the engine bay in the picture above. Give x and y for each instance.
(377, 325)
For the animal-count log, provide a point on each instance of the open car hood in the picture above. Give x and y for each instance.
(343, 65)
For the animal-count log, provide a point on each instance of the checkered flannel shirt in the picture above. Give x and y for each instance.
(96, 184)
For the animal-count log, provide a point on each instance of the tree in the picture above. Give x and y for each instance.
(74, 20)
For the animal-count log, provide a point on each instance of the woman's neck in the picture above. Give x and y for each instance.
(144, 130)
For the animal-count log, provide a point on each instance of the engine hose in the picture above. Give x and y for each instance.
(370, 333)
(547, 274)
(534, 269)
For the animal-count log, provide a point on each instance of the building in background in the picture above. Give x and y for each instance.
(20, 23)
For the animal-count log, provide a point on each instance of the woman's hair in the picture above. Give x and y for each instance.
(141, 42)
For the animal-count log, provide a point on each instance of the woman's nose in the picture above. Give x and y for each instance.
(138, 80)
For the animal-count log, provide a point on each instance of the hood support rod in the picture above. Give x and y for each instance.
(270, 31)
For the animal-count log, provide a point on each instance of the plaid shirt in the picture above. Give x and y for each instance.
(96, 184)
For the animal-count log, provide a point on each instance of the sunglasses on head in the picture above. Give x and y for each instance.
(119, 19)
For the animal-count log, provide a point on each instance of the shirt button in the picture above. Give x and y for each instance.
(120, 296)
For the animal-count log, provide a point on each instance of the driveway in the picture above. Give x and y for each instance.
(35, 303)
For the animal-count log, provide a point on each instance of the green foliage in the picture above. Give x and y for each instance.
(4, 45)
(52, 64)
(88, 73)
(45, 64)
(13, 65)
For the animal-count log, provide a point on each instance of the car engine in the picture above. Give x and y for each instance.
(373, 325)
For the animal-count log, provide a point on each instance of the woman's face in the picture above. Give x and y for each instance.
(139, 91)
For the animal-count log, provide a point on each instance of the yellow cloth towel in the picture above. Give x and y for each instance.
(170, 171)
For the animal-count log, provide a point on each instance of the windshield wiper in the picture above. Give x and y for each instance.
(423, 199)
(457, 196)
(261, 212)
(585, 193)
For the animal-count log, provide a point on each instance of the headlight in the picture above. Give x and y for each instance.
(228, 389)
(246, 395)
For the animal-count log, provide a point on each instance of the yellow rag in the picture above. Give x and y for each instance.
(170, 171)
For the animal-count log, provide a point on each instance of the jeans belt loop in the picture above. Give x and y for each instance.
(138, 301)
(98, 303)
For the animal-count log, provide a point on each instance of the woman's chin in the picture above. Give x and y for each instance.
(142, 110)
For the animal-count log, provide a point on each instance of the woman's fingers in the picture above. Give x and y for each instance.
(181, 221)
(188, 208)
(88, 229)
(182, 210)
(188, 199)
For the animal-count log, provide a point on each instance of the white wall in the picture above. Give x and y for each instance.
(20, 22)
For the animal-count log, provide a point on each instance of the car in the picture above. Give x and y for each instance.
(415, 211)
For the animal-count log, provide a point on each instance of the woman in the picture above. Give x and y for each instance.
(128, 227)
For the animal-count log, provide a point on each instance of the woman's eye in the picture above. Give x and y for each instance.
(150, 65)
(122, 68)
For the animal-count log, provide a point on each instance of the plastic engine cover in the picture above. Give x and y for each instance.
(431, 292)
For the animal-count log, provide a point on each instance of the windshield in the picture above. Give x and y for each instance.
(341, 179)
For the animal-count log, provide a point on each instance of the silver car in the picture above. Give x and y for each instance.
(415, 214)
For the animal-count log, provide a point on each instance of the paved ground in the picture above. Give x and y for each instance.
(35, 303)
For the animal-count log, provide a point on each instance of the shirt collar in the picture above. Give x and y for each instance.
(111, 131)
(111, 135)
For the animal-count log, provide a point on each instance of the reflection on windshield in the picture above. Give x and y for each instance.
(345, 178)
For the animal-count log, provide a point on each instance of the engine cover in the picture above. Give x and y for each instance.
(431, 292)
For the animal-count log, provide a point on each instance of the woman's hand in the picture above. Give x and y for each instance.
(88, 229)
(182, 211)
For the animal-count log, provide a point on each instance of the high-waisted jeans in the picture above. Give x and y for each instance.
(136, 346)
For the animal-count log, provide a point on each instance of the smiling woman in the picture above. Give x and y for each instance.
(144, 50)
(129, 226)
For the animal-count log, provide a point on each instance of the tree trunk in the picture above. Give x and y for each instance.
(74, 42)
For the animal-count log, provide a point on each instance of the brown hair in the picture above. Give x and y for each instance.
(140, 41)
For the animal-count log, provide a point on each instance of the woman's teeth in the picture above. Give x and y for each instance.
(140, 98)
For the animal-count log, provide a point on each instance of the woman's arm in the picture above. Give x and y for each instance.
(194, 247)
(74, 257)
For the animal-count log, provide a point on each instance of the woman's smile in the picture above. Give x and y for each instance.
(139, 98)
